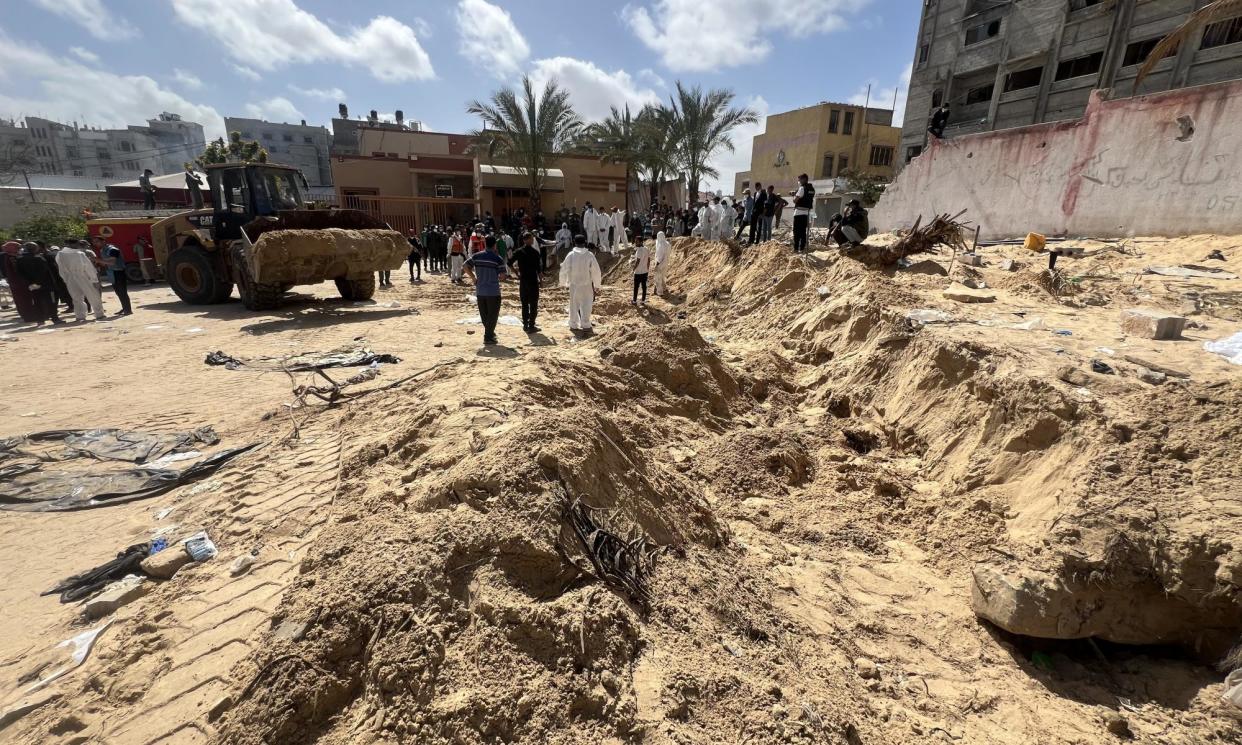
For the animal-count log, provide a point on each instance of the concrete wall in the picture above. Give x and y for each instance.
(16, 204)
(1128, 167)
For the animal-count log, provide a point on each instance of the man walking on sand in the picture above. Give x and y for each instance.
(580, 273)
(486, 268)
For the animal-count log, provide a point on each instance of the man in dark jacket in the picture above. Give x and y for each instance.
(757, 214)
(939, 118)
(529, 263)
(42, 285)
(851, 228)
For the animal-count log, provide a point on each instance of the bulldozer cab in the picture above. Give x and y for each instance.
(243, 191)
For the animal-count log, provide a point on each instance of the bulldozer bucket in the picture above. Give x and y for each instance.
(302, 247)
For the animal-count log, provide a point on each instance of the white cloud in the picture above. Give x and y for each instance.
(187, 79)
(69, 91)
(324, 94)
(246, 72)
(742, 137)
(651, 77)
(269, 34)
(92, 16)
(592, 91)
(85, 55)
(277, 109)
(882, 97)
(489, 38)
(698, 35)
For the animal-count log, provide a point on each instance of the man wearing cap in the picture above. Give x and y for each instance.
(486, 268)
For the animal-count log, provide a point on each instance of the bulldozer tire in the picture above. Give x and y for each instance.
(357, 289)
(192, 274)
(254, 295)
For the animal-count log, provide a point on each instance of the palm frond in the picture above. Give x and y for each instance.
(1208, 14)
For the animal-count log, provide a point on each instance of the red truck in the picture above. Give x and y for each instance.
(123, 228)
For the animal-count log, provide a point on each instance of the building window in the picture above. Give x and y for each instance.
(881, 155)
(1222, 33)
(308, 140)
(1138, 52)
(937, 98)
(848, 127)
(834, 117)
(1028, 78)
(924, 52)
(72, 152)
(913, 152)
(982, 32)
(1080, 4)
(826, 171)
(843, 164)
(267, 135)
(105, 174)
(126, 147)
(77, 172)
(287, 138)
(982, 94)
(103, 155)
(1080, 66)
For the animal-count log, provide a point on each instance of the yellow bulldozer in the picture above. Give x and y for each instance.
(259, 236)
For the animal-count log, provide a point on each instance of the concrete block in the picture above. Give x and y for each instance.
(1010, 265)
(966, 295)
(164, 564)
(1152, 324)
(970, 259)
(116, 595)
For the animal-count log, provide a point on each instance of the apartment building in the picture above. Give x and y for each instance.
(44, 146)
(301, 145)
(1011, 63)
(823, 141)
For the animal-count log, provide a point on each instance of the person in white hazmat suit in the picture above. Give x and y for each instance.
(618, 229)
(591, 223)
(564, 242)
(82, 278)
(580, 273)
(723, 220)
(659, 263)
(705, 221)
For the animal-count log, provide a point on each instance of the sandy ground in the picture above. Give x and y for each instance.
(827, 498)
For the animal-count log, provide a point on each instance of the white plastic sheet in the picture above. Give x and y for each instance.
(1230, 348)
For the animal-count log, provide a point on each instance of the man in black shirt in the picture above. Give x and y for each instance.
(757, 213)
(415, 256)
(529, 263)
(939, 118)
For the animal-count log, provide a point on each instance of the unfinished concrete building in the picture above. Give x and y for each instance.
(1011, 63)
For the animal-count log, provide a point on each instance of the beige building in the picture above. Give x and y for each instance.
(823, 141)
(411, 178)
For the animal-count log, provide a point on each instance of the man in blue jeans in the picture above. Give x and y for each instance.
(486, 268)
(111, 256)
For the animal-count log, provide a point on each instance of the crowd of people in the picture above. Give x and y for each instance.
(41, 278)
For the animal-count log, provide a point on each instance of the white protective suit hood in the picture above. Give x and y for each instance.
(580, 269)
(662, 247)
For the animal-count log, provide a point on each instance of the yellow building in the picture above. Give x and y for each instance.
(823, 141)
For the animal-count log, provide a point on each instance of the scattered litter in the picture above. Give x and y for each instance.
(1233, 688)
(345, 356)
(30, 414)
(1031, 324)
(46, 331)
(80, 647)
(1101, 367)
(925, 316)
(1230, 348)
(390, 304)
(195, 330)
(174, 458)
(87, 583)
(200, 547)
(510, 321)
(624, 563)
(473, 299)
(8, 338)
(1172, 372)
(111, 444)
(167, 510)
(202, 487)
(1106, 350)
(822, 290)
(1063, 332)
(1215, 255)
(1190, 270)
(154, 327)
(159, 544)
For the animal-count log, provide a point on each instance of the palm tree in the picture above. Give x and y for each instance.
(1208, 14)
(527, 133)
(656, 156)
(700, 125)
(616, 140)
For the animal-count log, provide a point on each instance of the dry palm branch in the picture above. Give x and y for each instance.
(943, 230)
(1208, 14)
(623, 563)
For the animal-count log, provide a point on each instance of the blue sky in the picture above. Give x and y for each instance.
(113, 62)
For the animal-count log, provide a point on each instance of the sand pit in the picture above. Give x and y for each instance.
(833, 499)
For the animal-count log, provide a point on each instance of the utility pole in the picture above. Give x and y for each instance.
(28, 187)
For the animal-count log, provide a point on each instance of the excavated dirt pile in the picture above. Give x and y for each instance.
(798, 504)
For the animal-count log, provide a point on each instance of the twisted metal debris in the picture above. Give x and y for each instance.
(623, 563)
